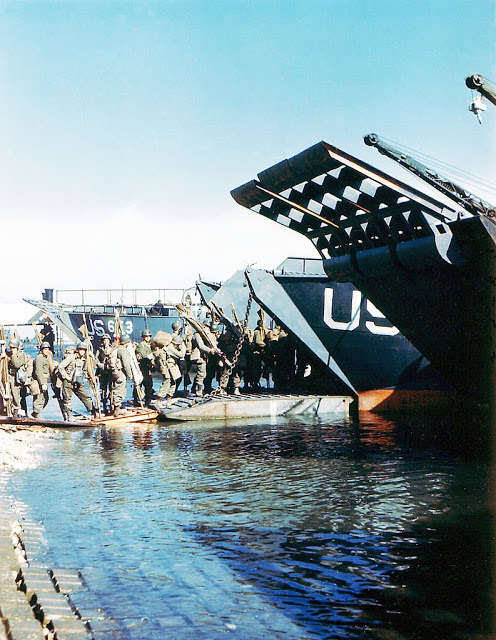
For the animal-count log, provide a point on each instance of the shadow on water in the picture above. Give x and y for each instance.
(373, 529)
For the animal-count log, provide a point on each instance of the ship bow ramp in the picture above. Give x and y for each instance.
(426, 266)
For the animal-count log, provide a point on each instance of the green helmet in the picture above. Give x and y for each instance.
(45, 345)
(125, 338)
(214, 327)
(177, 339)
(82, 345)
(145, 333)
(176, 325)
(106, 337)
(14, 342)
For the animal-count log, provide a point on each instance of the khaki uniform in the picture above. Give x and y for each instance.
(42, 369)
(161, 359)
(74, 373)
(146, 361)
(104, 371)
(174, 355)
(20, 373)
(199, 356)
(121, 371)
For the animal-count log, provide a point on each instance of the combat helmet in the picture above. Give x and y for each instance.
(45, 345)
(14, 342)
(83, 345)
(177, 340)
(145, 333)
(176, 325)
(124, 339)
(106, 337)
(214, 327)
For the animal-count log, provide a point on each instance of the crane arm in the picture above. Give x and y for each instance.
(469, 201)
(477, 83)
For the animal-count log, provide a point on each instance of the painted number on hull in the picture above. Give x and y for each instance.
(97, 327)
(355, 313)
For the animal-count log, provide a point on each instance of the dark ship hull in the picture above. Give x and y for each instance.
(428, 267)
(101, 319)
(351, 345)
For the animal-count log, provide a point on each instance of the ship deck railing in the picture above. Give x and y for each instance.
(121, 297)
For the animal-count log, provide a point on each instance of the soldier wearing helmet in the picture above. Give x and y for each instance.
(74, 373)
(177, 327)
(20, 368)
(202, 350)
(146, 361)
(43, 367)
(104, 369)
(123, 363)
(162, 341)
(214, 362)
(175, 354)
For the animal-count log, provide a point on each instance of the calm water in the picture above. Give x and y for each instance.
(287, 530)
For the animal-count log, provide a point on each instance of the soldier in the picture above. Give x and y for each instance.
(146, 361)
(228, 343)
(199, 358)
(213, 362)
(122, 370)
(74, 372)
(270, 351)
(43, 367)
(188, 344)
(104, 369)
(177, 328)
(175, 355)
(21, 371)
(257, 354)
(20, 367)
(161, 359)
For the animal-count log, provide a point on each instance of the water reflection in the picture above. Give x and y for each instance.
(320, 530)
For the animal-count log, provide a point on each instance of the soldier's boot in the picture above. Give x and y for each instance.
(68, 416)
(35, 415)
(15, 413)
(94, 412)
(237, 392)
(199, 391)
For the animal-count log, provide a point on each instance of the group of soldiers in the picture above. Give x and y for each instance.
(100, 380)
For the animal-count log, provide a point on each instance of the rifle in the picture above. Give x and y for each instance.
(136, 371)
(93, 381)
(37, 334)
(236, 318)
(199, 328)
(263, 328)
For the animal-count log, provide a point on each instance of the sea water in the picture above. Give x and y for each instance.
(267, 529)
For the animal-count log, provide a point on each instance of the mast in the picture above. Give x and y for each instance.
(467, 200)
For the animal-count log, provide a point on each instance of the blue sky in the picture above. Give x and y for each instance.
(124, 125)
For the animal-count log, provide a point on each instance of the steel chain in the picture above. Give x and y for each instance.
(224, 379)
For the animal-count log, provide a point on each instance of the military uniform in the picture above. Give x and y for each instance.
(43, 366)
(121, 371)
(161, 361)
(20, 373)
(74, 372)
(175, 353)
(146, 361)
(199, 357)
(104, 369)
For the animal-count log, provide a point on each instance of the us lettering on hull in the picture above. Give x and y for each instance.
(355, 315)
